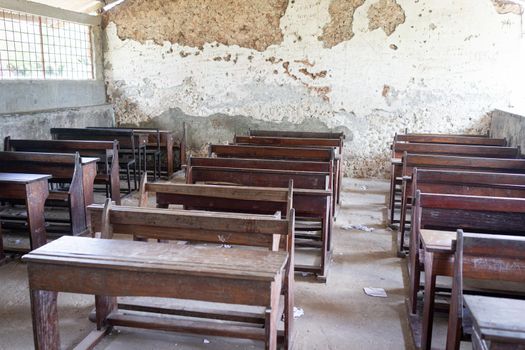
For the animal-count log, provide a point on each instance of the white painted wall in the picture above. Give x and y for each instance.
(456, 61)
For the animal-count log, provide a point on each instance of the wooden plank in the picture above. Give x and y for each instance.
(22, 178)
(211, 221)
(301, 134)
(217, 191)
(154, 257)
(187, 326)
(268, 152)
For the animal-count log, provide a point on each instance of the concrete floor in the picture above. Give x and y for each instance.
(337, 315)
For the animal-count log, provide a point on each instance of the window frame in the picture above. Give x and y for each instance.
(74, 42)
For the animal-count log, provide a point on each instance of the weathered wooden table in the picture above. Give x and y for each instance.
(498, 323)
(438, 253)
(166, 143)
(33, 190)
(111, 268)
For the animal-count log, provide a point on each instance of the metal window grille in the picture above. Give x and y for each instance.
(36, 47)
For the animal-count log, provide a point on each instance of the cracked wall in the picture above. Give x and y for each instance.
(319, 65)
(385, 14)
(340, 28)
(247, 23)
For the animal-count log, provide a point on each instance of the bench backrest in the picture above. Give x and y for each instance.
(455, 150)
(125, 137)
(240, 199)
(257, 177)
(503, 259)
(100, 149)
(154, 138)
(451, 139)
(260, 164)
(194, 226)
(268, 152)
(298, 134)
(475, 164)
(469, 183)
(63, 167)
(286, 141)
(479, 214)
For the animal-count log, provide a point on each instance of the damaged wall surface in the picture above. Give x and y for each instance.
(370, 68)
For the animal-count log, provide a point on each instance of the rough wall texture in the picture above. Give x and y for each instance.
(340, 27)
(36, 125)
(385, 14)
(443, 70)
(247, 23)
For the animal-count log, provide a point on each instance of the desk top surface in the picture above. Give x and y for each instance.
(206, 261)
(498, 318)
(437, 241)
(22, 178)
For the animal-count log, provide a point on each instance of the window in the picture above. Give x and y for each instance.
(36, 47)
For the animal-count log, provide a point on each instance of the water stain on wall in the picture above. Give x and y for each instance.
(385, 14)
(340, 28)
(248, 23)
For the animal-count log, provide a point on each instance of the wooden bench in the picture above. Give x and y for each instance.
(64, 169)
(438, 215)
(256, 200)
(496, 321)
(451, 139)
(151, 139)
(456, 183)
(106, 151)
(472, 164)
(399, 149)
(239, 199)
(32, 190)
(308, 204)
(166, 142)
(247, 163)
(131, 147)
(121, 268)
(326, 155)
(336, 143)
(301, 134)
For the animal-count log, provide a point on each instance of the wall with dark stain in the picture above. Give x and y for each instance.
(370, 68)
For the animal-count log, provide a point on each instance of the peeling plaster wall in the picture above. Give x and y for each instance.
(444, 66)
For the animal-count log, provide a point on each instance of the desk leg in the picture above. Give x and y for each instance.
(37, 193)
(271, 318)
(104, 306)
(169, 156)
(2, 254)
(414, 272)
(45, 320)
(289, 291)
(428, 308)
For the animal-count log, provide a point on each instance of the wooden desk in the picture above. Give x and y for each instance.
(167, 142)
(438, 253)
(33, 189)
(498, 323)
(110, 268)
(439, 261)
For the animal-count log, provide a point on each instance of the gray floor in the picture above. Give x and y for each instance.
(337, 315)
